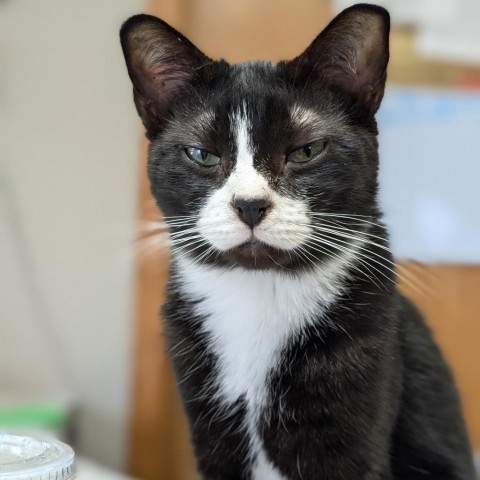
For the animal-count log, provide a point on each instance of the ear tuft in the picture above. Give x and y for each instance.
(161, 62)
(351, 55)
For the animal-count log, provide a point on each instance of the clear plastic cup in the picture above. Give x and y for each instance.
(34, 458)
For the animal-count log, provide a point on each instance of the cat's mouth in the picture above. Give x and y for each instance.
(255, 254)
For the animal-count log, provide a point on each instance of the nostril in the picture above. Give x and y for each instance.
(262, 211)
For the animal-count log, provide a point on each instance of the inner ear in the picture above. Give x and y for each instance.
(161, 63)
(351, 55)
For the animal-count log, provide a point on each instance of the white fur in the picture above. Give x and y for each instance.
(302, 116)
(250, 314)
(263, 469)
(286, 225)
(249, 317)
(307, 119)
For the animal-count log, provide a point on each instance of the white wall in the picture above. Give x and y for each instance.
(429, 171)
(68, 158)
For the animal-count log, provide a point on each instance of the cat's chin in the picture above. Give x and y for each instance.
(257, 255)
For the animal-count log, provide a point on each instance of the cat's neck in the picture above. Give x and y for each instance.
(251, 315)
(280, 289)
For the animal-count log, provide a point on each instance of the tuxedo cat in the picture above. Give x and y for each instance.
(296, 356)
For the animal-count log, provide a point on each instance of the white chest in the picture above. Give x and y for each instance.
(251, 315)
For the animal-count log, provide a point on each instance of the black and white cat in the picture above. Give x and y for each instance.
(296, 356)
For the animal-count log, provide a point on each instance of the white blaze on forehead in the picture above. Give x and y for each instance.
(286, 225)
(241, 131)
(245, 181)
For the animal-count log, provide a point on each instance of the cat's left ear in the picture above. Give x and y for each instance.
(161, 63)
(350, 55)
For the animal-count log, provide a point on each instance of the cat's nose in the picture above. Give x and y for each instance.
(251, 212)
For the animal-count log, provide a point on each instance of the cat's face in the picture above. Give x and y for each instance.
(261, 165)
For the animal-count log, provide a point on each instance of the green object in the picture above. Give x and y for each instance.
(34, 416)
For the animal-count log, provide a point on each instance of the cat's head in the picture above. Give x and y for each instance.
(262, 165)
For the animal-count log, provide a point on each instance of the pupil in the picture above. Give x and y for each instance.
(203, 154)
(307, 150)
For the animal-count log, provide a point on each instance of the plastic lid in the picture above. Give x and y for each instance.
(34, 458)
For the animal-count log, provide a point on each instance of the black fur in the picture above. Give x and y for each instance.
(365, 394)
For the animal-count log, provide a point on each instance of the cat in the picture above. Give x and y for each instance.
(296, 356)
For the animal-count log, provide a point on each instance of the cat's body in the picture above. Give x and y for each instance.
(296, 357)
(293, 395)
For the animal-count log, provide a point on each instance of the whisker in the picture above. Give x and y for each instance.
(161, 240)
(340, 216)
(317, 247)
(180, 216)
(180, 243)
(183, 233)
(184, 242)
(359, 236)
(183, 254)
(205, 255)
(410, 281)
(402, 273)
(343, 227)
(331, 242)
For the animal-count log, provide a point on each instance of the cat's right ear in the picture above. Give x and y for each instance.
(161, 63)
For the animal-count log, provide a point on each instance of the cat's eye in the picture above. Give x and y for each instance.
(307, 152)
(202, 157)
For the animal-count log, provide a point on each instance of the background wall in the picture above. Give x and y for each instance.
(68, 181)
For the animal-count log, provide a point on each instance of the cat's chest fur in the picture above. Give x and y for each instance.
(251, 316)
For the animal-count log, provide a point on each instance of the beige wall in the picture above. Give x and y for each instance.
(68, 160)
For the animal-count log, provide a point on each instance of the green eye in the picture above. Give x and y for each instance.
(202, 157)
(307, 153)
